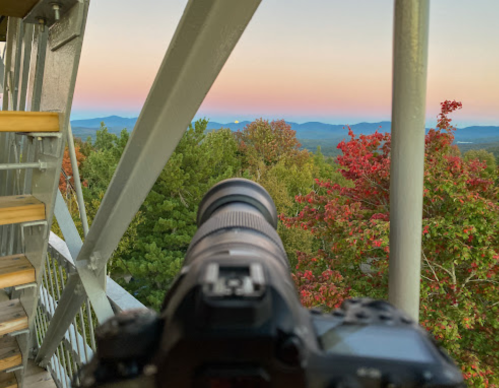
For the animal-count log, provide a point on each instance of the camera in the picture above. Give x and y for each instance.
(233, 319)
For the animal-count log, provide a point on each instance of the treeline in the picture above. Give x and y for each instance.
(490, 147)
(151, 252)
(334, 222)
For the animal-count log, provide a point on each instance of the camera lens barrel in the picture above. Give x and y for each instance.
(237, 190)
(237, 212)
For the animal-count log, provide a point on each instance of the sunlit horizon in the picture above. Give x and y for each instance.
(328, 62)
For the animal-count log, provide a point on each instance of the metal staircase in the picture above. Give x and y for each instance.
(39, 279)
(37, 77)
(29, 175)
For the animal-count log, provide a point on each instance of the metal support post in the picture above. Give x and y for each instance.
(5, 138)
(2, 74)
(410, 54)
(41, 52)
(25, 63)
(204, 39)
(76, 176)
(11, 33)
(17, 66)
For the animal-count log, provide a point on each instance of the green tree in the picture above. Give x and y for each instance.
(269, 143)
(97, 171)
(200, 160)
(485, 157)
(86, 147)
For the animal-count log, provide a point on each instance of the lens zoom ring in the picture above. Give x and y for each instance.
(242, 220)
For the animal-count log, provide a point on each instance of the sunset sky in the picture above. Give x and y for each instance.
(314, 60)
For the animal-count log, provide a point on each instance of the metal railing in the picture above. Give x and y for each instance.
(78, 344)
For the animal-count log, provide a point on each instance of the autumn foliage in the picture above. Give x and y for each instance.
(270, 142)
(460, 248)
(336, 214)
(68, 170)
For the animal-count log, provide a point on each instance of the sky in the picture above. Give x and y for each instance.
(300, 60)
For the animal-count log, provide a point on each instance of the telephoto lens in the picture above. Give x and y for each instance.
(233, 317)
(232, 208)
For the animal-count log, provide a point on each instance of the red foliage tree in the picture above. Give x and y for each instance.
(460, 255)
(67, 168)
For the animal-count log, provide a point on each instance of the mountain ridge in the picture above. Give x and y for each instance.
(313, 130)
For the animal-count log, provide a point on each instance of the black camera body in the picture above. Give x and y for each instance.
(233, 320)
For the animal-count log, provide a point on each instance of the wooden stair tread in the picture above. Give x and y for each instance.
(36, 377)
(10, 354)
(16, 270)
(8, 380)
(12, 317)
(16, 121)
(20, 208)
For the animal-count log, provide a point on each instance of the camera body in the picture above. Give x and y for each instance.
(233, 319)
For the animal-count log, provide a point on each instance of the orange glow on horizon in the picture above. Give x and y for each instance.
(300, 66)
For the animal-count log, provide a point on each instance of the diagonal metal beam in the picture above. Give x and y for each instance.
(73, 295)
(67, 225)
(95, 291)
(67, 308)
(203, 41)
(77, 183)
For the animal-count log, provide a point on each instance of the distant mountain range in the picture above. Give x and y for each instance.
(310, 130)
(110, 122)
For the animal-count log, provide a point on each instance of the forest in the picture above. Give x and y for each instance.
(334, 221)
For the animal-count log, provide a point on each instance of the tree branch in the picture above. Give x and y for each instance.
(429, 265)
(454, 274)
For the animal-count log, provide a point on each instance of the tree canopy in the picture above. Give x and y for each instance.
(334, 224)
(460, 248)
